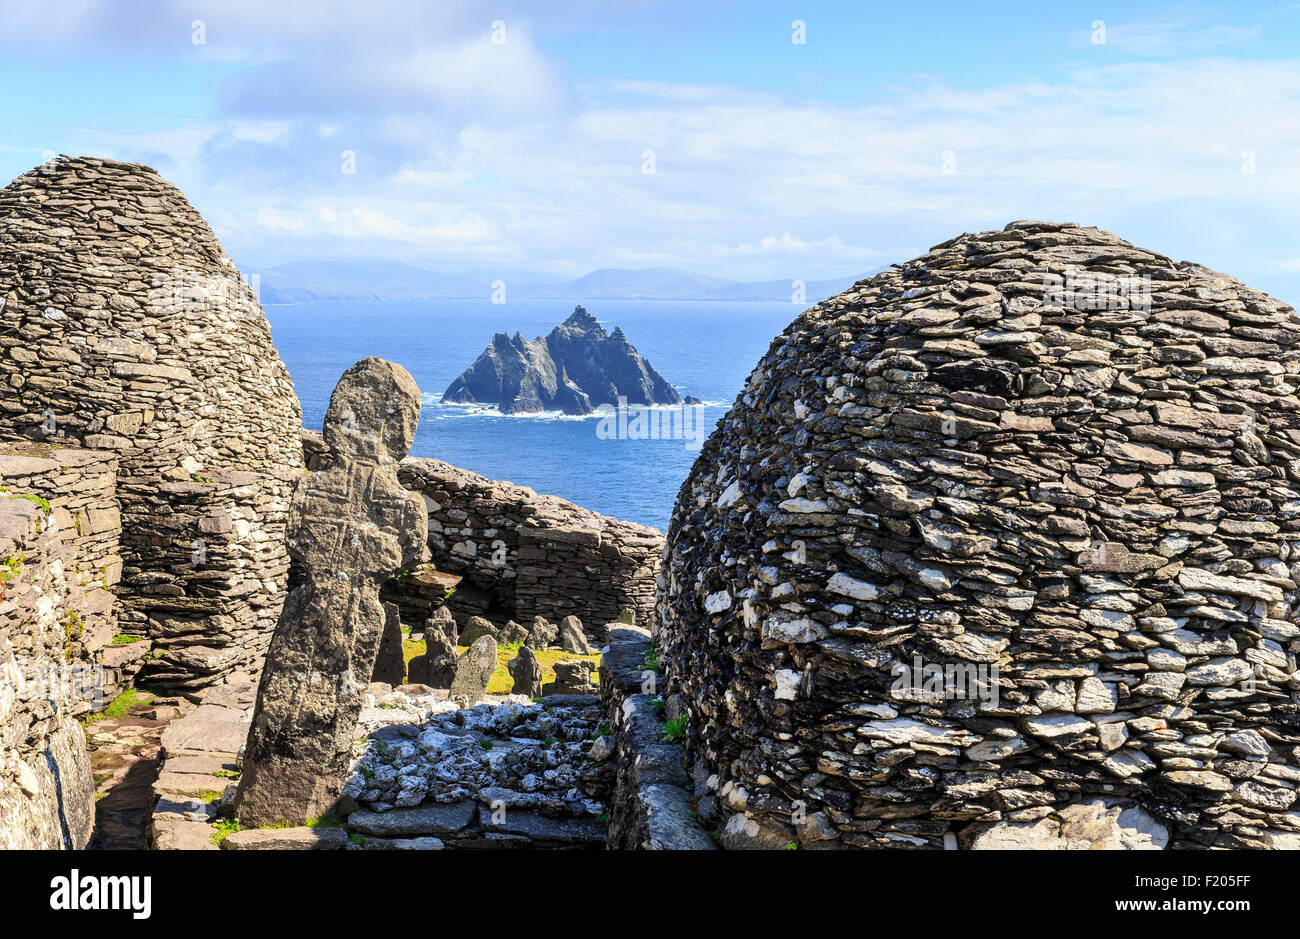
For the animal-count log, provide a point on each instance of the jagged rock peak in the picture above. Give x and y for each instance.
(582, 319)
(575, 368)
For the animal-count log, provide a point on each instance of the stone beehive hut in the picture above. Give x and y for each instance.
(135, 331)
(125, 328)
(998, 547)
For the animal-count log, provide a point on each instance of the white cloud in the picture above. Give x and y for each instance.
(468, 150)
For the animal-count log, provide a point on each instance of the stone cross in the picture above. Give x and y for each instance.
(351, 528)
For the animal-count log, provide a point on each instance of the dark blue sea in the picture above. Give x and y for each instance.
(706, 348)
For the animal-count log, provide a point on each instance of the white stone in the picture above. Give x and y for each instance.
(906, 730)
(1193, 578)
(805, 506)
(851, 587)
(1083, 826)
(1057, 725)
(777, 628)
(1096, 697)
(787, 684)
(1219, 672)
(717, 602)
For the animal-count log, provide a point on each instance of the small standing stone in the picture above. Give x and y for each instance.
(572, 638)
(390, 663)
(527, 673)
(542, 635)
(474, 669)
(477, 626)
(437, 667)
(513, 634)
(571, 677)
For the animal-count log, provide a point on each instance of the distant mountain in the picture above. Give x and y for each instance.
(575, 368)
(612, 283)
(305, 281)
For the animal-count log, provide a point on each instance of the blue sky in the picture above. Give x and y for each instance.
(893, 127)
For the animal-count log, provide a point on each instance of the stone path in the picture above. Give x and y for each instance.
(124, 758)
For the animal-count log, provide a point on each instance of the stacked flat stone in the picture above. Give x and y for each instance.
(523, 555)
(80, 488)
(206, 571)
(1016, 453)
(124, 327)
(46, 789)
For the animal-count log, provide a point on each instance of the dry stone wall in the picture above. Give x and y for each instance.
(653, 806)
(54, 625)
(206, 572)
(1001, 546)
(522, 555)
(126, 327)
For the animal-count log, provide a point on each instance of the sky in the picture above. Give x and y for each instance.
(755, 141)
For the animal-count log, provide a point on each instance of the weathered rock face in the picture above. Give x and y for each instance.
(575, 368)
(1060, 469)
(125, 328)
(48, 674)
(351, 527)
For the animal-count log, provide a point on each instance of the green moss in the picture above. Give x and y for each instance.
(325, 821)
(130, 698)
(11, 567)
(42, 503)
(121, 639)
(227, 773)
(223, 828)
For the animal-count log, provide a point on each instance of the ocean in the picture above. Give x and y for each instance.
(706, 348)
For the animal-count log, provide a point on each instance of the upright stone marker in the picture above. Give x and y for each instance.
(351, 527)
(474, 669)
(526, 672)
(390, 663)
(437, 667)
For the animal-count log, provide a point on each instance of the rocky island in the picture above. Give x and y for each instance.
(575, 368)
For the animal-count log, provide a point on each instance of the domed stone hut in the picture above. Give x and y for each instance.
(125, 328)
(138, 333)
(999, 548)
